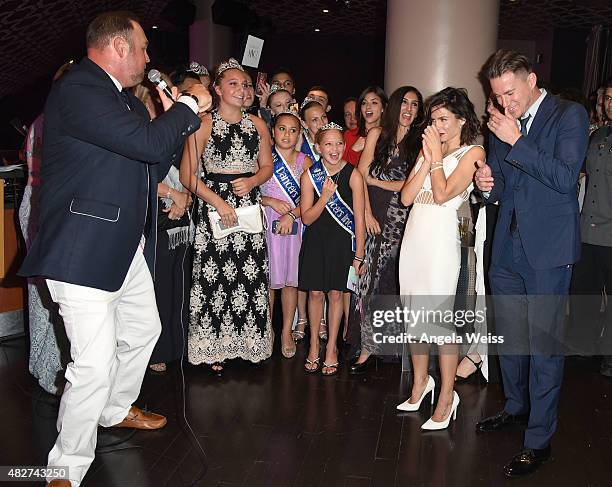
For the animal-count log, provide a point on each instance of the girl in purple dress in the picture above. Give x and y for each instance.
(281, 196)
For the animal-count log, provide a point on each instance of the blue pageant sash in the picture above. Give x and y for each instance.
(308, 149)
(285, 179)
(336, 206)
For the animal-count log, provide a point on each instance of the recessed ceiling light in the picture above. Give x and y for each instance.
(325, 11)
(154, 27)
(317, 30)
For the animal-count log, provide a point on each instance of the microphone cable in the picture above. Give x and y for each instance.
(200, 448)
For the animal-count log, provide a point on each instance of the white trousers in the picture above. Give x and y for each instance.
(112, 335)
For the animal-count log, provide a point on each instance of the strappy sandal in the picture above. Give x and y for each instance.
(288, 351)
(334, 368)
(323, 329)
(474, 375)
(298, 334)
(317, 365)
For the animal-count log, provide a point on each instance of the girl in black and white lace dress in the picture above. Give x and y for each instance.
(229, 307)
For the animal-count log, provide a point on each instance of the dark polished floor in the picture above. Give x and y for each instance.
(273, 425)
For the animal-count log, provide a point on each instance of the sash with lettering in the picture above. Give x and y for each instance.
(308, 149)
(285, 179)
(336, 206)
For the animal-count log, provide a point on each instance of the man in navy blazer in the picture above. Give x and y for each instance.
(102, 160)
(537, 146)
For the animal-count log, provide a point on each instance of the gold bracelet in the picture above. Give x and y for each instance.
(435, 168)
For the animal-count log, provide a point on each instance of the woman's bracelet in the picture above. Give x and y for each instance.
(435, 168)
(290, 213)
(359, 259)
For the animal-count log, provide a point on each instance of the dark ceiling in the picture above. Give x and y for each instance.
(37, 36)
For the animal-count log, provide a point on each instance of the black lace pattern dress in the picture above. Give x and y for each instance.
(229, 306)
(381, 279)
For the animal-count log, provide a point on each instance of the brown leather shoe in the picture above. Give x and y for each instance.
(59, 483)
(141, 420)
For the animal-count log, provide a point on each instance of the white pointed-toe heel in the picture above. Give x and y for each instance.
(407, 406)
(434, 425)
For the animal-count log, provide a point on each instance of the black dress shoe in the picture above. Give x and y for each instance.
(499, 421)
(362, 368)
(526, 462)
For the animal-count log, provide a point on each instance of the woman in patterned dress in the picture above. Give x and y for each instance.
(229, 306)
(388, 156)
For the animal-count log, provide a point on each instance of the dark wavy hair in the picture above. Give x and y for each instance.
(181, 73)
(410, 146)
(378, 91)
(456, 101)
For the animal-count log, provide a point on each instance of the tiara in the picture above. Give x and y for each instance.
(308, 100)
(287, 112)
(276, 87)
(231, 63)
(331, 126)
(198, 69)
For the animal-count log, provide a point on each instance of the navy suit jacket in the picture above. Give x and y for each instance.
(100, 167)
(537, 178)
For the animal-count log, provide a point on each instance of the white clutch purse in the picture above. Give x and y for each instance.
(250, 220)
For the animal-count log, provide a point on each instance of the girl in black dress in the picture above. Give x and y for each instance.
(329, 248)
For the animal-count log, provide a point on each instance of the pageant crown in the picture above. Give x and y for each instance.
(287, 112)
(308, 100)
(231, 63)
(198, 69)
(331, 126)
(276, 87)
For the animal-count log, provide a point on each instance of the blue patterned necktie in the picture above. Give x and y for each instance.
(523, 122)
(125, 98)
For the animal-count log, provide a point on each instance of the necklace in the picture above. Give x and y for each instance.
(334, 177)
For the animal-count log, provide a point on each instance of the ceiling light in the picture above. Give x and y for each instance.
(325, 11)
(317, 30)
(154, 27)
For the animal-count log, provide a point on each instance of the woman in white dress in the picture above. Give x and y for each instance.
(430, 255)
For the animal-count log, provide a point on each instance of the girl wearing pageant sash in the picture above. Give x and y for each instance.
(332, 205)
(229, 306)
(281, 200)
(314, 117)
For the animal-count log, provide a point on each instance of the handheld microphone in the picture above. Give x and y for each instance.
(155, 77)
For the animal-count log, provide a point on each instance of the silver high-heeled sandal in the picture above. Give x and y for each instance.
(298, 334)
